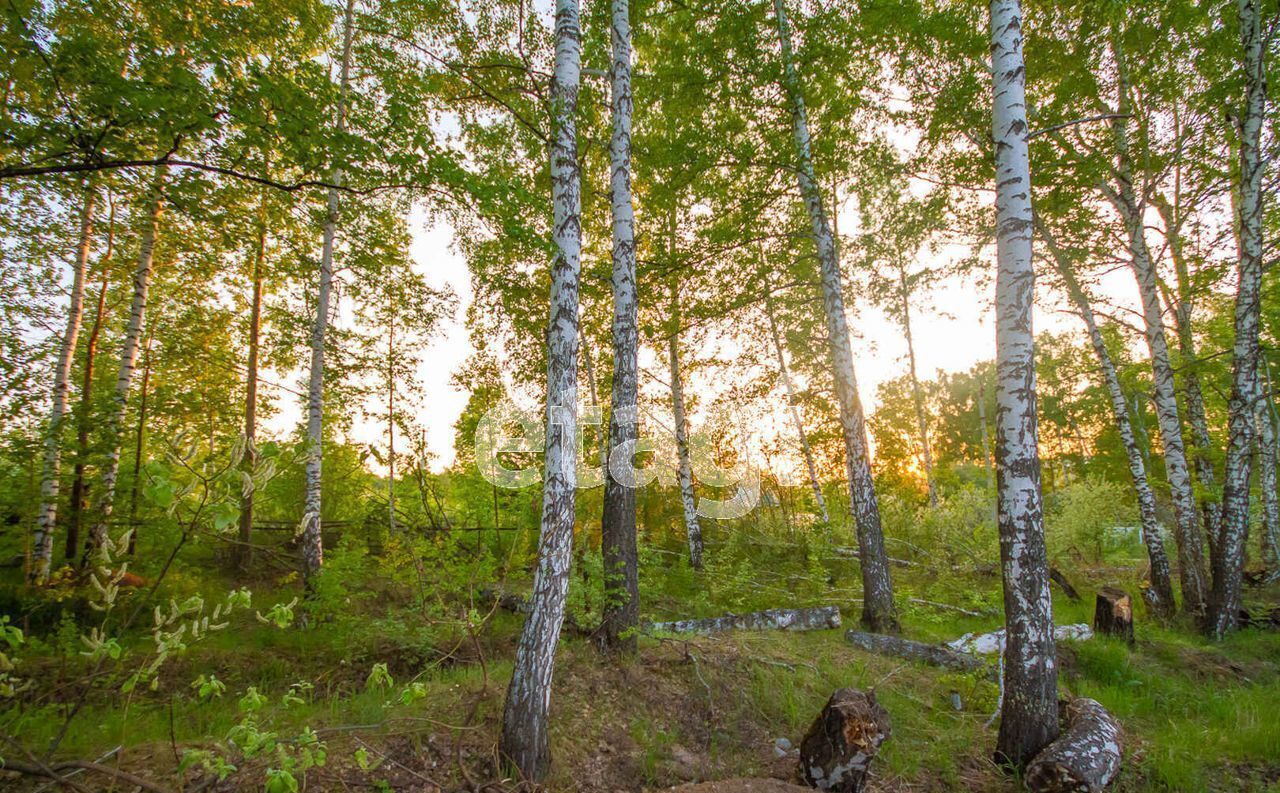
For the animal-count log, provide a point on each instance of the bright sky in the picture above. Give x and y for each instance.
(951, 324)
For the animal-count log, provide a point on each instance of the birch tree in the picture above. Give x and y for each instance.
(776, 338)
(1124, 198)
(525, 741)
(312, 543)
(684, 463)
(1161, 598)
(128, 361)
(47, 516)
(1029, 710)
(879, 613)
(83, 418)
(618, 525)
(1246, 352)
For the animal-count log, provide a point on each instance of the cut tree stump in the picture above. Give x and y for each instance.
(1086, 756)
(810, 619)
(838, 749)
(932, 654)
(1113, 614)
(1056, 576)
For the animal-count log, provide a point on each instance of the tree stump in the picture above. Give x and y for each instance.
(1113, 614)
(837, 751)
(1086, 756)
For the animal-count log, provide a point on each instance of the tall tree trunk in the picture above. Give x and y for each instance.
(1029, 711)
(525, 741)
(618, 526)
(1246, 353)
(693, 530)
(1124, 198)
(917, 397)
(244, 550)
(128, 364)
(139, 443)
(1161, 577)
(1193, 393)
(879, 613)
(47, 517)
(391, 424)
(312, 544)
(78, 490)
(791, 404)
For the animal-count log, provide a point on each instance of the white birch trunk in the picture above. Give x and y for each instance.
(1162, 597)
(312, 543)
(128, 363)
(879, 613)
(50, 484)
(1123, 196)
(693, 530)
(1193, 394)
(1246, 354)
(1029, 712)
(795, 411)
(525, 741)
(618, 527)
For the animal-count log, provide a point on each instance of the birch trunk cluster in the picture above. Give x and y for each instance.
(618, 525)
(50, 476)
(1228, 567)
(141, 283)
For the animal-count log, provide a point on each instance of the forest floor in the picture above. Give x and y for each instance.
(1197, 716)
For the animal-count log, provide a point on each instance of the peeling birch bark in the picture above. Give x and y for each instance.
(312, 544)
(1246, 353)
(1029, 712)
(50, 476)
(807, 619)
(525, 742)
(1085, 759)
(879, 614)
(618, 525)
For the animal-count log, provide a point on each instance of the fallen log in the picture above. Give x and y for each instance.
(1056, 576)
(1085, 757)
(993, 642)
(808, 619)
(932, 654)
(1113, 614)
(840, 745)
